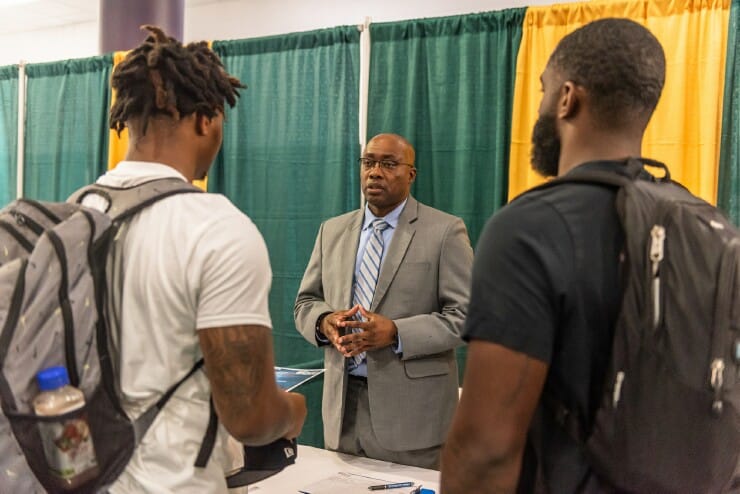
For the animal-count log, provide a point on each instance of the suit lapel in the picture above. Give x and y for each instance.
(347, 256)
(399, 245)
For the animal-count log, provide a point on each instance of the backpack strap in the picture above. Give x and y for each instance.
(209, 438)
(120, 203)
(141, 424)
(634, 169)
(145, 420)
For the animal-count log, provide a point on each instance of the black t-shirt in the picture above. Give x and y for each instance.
(546, 283)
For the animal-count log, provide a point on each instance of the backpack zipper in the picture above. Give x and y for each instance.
(25, 220)
(617, 393)
(657, 244)
(23, 241)
(717, 380)
(42, 209)
(722, 322)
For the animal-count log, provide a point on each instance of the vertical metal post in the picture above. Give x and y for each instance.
(20, 160)
(364, 87)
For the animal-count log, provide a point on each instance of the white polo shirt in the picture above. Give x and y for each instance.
(191, 261)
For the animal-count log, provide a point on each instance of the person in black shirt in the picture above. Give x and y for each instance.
(546, 289)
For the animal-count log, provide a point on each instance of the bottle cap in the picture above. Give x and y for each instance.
(52, 378)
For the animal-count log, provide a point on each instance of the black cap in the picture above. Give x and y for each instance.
(265, 461)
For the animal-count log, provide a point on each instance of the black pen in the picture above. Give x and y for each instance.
(397, 485)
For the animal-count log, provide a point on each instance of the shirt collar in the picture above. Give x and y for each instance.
(136, 169)
(390, 218)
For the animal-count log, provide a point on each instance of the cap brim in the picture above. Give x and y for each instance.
(247, 477)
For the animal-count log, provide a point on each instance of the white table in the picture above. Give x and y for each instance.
(314, 464)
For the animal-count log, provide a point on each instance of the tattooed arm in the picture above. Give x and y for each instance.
(484, 448)
(239, 363)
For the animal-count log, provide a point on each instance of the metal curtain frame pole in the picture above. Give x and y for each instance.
(21, 128)
(364, 85)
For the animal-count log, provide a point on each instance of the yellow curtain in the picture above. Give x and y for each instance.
(117, 145)
(685, 129)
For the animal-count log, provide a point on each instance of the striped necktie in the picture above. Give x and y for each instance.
(369, 271)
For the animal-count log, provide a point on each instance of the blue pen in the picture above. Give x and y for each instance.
(397, 485)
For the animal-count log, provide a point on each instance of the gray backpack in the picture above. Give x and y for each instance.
(55, 270)
(669, 418)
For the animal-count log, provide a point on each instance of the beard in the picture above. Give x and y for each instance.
(545, 146)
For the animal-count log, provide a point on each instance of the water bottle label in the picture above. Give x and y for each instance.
(68, 446)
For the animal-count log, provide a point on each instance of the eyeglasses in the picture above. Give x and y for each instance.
(369, 163)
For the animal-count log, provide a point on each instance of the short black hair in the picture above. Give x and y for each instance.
(621, 65)
(162, 76)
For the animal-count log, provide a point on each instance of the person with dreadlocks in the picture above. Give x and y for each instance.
(196, 278)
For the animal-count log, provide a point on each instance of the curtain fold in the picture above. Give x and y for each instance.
(446, 84)
(288, 157)
(8, 132)
(66, 126)
(685, 129)
(728, 197)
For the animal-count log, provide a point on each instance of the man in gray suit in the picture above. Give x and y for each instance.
(385, 293)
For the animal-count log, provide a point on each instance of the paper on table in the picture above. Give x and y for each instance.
(351, 483)
(289, 379)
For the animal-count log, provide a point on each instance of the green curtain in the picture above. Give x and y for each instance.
(8, 132)
(287, 161)
(446, 84)
(66, 142)
(728, 196)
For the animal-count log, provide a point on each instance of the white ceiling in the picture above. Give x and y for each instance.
(31, 15)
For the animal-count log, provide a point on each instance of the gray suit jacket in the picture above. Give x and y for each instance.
(423, 287)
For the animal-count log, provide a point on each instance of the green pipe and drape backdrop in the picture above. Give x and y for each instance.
(291, 143)
(728, 190)
(8, 132)
(300, 138)
(430, 80)
(447, 85)
(287, 161)
(66, 126)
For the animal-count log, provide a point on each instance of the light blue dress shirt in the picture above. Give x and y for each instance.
(392, 220)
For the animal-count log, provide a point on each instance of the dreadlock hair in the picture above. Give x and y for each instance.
(163, 77)
(621, 65)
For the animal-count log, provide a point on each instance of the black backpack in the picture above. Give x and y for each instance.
(55, 265)
(669, 416)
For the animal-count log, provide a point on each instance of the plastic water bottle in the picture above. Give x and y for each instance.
(68, 446)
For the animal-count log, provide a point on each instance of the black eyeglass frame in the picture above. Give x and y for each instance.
(386, 164)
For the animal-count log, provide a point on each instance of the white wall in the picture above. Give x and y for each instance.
(248, 19)
(46, 45)
(235, 19)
